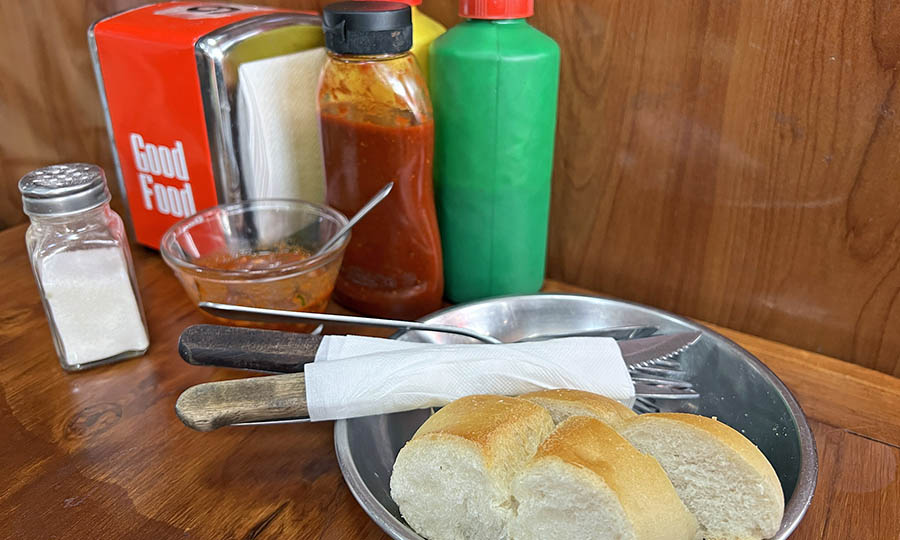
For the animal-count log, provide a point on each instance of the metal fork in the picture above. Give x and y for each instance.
(660, 368)
(662, 379)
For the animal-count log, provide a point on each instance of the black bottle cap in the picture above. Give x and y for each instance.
(367, 27)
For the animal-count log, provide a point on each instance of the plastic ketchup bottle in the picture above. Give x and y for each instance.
(377, 127)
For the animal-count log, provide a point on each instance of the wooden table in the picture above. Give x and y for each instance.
(100, 454)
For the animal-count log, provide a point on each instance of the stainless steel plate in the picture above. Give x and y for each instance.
(735, 387)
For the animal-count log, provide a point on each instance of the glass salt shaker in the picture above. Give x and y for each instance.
(81, 261)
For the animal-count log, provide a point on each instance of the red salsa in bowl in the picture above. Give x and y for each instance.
(258, 254)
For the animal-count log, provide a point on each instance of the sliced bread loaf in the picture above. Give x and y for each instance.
(563, 403)
(725, 481)
(451, 480)
(587, 482)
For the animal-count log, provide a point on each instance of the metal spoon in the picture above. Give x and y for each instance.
(229, 311)
(382, 193)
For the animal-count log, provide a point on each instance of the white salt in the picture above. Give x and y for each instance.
(92, 304)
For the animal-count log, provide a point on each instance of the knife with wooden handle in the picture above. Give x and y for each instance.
(247, 348)
(287, 352)
(212, 405)
(209, 406)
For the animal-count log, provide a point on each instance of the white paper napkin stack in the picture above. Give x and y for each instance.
(360, 376)
(278, 127)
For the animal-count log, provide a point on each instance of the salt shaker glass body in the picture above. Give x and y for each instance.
(82, 264)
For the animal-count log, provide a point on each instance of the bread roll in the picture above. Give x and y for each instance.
(721, 476)
(451, 480)
(562, 404)
(587, 482)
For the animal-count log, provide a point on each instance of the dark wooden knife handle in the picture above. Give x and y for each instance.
(247, 348)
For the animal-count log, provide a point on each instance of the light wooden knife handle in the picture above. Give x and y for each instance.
(209, 406)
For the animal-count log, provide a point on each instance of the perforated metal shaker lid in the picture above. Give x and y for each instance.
(63, 189)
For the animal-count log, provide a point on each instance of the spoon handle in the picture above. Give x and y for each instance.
(382, 193)
(234, 312)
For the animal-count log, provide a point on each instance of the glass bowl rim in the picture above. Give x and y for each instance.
(241, 207)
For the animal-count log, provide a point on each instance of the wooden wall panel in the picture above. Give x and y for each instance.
(49, 109)
(733, 160)
(49, 106)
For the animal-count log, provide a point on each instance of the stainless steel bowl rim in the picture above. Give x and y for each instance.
(795, 508)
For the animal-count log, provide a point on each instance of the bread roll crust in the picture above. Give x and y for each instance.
(487, 466)
(764, 509)
(647, 496)
(451, 480)
(500, 427)
(729, 437)
(564, 403)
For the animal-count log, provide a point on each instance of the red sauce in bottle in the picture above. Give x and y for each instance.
(392, 266)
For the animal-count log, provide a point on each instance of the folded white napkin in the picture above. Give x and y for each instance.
(359, 376)
(278, 127)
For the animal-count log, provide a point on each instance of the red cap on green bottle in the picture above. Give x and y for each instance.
(408, 2)
(496, 9)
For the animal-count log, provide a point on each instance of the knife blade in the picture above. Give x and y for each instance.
(646, 351)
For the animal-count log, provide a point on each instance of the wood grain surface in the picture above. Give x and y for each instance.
(731, 160)
(247, 348)
(218, 404)
(100, 453)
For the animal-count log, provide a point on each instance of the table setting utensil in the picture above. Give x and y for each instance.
(212, 405)
(372, 203)
(241, 313)
(286, 352)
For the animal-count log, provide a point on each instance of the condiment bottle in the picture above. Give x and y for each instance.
(81, 261)
(425, 30)
(377, 127)
(494, 84)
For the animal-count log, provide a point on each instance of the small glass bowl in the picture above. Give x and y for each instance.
(258, 253)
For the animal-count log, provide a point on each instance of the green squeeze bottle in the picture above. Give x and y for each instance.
(494, 81)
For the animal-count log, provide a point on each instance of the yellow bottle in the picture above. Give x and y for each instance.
(425, 30)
